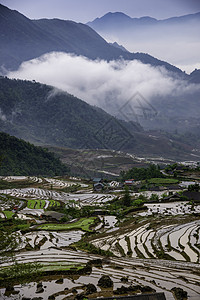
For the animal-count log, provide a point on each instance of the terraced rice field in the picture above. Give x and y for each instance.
(42, 204)
(63, 184)
(78, 199)
(175, 242)
(175, 208)
(33, 193)
(22, 178)
(44, 240)
(160, 275)
(83, 224)
(8, 214)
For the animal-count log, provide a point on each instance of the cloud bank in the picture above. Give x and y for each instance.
(108, 85)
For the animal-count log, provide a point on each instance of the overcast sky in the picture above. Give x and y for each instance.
(87, 10)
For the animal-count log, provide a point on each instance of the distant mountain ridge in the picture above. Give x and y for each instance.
(112, 17)
(23, 39)
(175, 39)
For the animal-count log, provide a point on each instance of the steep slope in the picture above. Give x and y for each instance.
(39, 114)
(23, 39)
(18, 157)
(42, 115)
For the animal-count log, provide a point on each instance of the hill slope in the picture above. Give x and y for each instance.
(23, 39)
(18, 157)
(39, 114)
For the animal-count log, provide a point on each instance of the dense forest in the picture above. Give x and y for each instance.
(40, 114)
(18, 157)
(153, 171)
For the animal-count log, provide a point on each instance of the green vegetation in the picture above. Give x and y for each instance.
(9, 241)
(53, 203)
(18, 157)
(63, 120)
(56, 267)
(151, 171)
(83, 224)
(194, 187)
(8, 214)
(119, 207)
(12, 225)
(39, 204)
(126, 197)
(72, 212)
(15, 184)
(139, 202)
(22, 271)
(163, 181)
(83, 245)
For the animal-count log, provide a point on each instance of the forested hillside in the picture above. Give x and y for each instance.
(47, 117)
(39, 114)
(18, 157)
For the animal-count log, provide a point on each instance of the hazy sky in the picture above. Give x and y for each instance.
(87, 10)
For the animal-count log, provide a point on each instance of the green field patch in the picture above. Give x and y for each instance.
(8, 214)
(60, 267)
(53, 203)
(31, 204)
(83, 224)
(40, 204)
(163, 181)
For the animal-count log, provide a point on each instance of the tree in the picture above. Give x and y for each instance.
(152, 171)
(194, 187)
(126, 197)
(9, 242)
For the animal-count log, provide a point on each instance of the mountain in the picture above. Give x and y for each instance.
(115, 44)
(23, 39)
(119, 20)
(175, 40)
(195, 76)
(41, 115)
(18, 157)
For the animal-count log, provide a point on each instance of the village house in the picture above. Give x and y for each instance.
(129, 182)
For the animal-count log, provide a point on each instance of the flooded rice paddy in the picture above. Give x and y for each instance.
(158, 248)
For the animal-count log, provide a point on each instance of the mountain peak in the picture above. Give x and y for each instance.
(110, 17)
(116, 14)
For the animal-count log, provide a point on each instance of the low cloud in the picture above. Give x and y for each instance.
(108, 85)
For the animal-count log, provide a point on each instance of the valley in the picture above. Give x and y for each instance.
(99, 152)
(70, 239)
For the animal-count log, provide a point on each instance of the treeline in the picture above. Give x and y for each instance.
(18, 157)
(152, 171)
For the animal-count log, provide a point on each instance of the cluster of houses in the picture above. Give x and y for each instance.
(99, 184)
